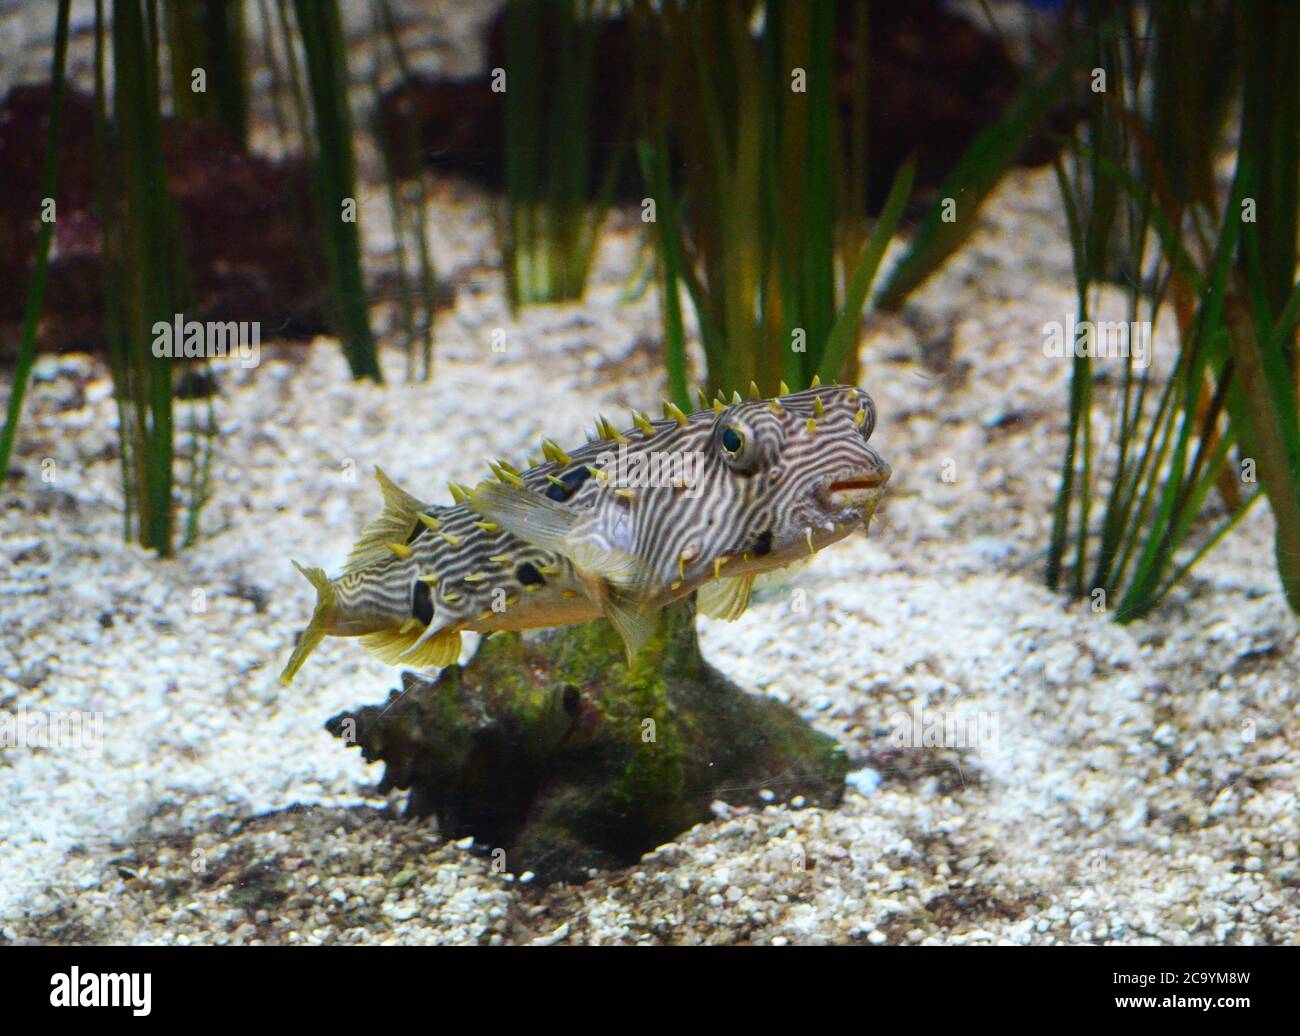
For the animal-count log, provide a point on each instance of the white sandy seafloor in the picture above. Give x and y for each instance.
(1117, 785)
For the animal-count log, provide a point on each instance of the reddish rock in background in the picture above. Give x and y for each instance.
(935, 80)
(456, 126)
(246, 228)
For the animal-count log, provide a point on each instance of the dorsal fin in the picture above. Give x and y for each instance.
(393, 525)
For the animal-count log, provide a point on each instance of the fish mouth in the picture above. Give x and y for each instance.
(851, 485)
(858, 491)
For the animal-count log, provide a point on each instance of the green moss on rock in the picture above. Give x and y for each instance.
(551, 747)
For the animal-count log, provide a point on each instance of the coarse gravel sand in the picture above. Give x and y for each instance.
(1107, 784)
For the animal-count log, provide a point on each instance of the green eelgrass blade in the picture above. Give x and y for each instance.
(327, 76)
(1286, 322)
(802, 204)
(1204, 471)
(549, 224)
(1259, 352)
(428, 279)
(113, 283)
(396, 212)
(276, 91)
(1269, 39)
(386, 25)
(844, 332)
(36, 291)
(146, 226)
(737, 186)
(975, 174)
(655, 173)
(1170, 521)
(293, 75)
(1151, 151)
(208, 38)
(1146, 479)
(1158, 553)
(1132, 409)
(1168, 233)
(1204, 549)
(1081, 372)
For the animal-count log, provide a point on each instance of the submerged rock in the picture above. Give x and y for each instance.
(934, 81)
(551, 748)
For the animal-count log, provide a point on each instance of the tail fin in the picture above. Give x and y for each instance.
(319, 625)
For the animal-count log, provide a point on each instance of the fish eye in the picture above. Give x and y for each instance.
(738, 446)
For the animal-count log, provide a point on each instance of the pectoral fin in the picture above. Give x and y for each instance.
(725, 599)
(551, 526)
(616, 582)
(528, 515)
(779, 577)
(634, 623)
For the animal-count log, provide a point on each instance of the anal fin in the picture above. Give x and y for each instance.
(410, 646)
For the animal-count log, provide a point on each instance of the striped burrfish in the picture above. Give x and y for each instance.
(619, 528)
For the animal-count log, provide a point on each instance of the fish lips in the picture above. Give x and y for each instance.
(853, 496)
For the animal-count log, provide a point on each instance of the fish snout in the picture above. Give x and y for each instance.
(880, 468)
(860, 489)
(878, 473)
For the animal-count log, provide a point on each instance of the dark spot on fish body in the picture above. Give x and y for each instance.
(572, 699)
(572, 479)
(422, 602)
(528, 575)
(763, 545)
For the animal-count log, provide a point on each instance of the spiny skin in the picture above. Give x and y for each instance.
(774, 481)
(384, 595)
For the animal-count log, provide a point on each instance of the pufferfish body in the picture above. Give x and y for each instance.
(620, 528)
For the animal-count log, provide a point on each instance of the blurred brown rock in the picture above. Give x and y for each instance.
(934, 81)
(245, 226)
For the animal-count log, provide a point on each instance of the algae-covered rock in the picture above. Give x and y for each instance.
(553, 749)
